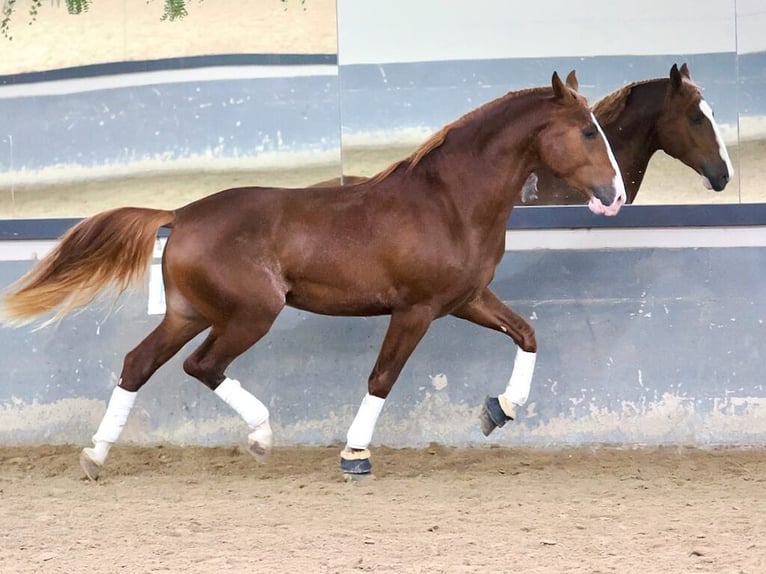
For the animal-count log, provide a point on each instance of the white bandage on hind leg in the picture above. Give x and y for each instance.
(360, 432)
(253, 411)
(517, 391)
(117, 411)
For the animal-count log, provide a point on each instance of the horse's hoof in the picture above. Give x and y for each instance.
(259, 442)
(357, 467)
(357, 478)
(355, 463)
(259, 451)
(89, 465)
(492, 415)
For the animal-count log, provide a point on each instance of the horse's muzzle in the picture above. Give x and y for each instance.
(715, 182)
(716, 174)
(606, 200)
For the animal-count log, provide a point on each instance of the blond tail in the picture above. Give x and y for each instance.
(111, 250)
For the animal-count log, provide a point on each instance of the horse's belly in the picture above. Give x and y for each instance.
(381, 294)
(333, 300)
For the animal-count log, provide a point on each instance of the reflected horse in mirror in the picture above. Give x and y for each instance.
(667, 114)
(419, 241)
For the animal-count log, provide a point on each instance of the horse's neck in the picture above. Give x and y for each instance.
(485, 179)
(633, 135)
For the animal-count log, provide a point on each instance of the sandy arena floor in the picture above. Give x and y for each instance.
(430, 510)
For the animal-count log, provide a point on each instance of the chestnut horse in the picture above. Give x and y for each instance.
(667, 114)
(419, 241)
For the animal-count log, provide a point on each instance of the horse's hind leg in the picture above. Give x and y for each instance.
(405, 331)
(139, 364)
(226, 341)
(488, 311)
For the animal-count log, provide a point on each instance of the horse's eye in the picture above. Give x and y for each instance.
(590, 133)
(696, 119)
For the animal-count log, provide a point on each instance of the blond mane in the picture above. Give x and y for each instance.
(439, 137)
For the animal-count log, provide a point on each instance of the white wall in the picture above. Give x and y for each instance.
(751, 26)
(375, 31)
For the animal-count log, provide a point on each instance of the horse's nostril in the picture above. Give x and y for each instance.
(605, 194)
(719, 183)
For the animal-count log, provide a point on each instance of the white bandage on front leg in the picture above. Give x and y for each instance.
(117, 412)
(360, 432)
(517, 391)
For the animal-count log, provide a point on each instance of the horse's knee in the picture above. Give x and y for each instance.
(522, 333)
(529, 343)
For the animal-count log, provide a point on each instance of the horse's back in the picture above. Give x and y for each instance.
(328, 250)
(288, 224)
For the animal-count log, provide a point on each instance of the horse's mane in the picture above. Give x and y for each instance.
(609, 108)
(438, 138)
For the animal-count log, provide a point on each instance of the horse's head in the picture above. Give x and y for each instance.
(573, 147)
(687, 131)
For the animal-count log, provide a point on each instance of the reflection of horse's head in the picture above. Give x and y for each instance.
(688, 132)
(575, 149)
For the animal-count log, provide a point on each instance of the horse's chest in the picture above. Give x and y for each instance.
(489, 254)
(475, 274)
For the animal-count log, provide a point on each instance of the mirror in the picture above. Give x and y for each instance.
(233, 94)
(404, 77)
(751, 57)
(165, 112)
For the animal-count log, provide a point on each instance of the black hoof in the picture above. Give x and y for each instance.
(355, 466)
(492, 415)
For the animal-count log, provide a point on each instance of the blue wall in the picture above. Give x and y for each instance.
(637, 346)
(247, 118)
(430, 94)
(175, 113)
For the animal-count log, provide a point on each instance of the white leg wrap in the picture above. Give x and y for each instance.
(517, 391)
(253, 411)
(115, 417)
(360, 432)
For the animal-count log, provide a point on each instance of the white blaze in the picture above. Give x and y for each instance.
(708, 112)
(619, 186)
(620, 196)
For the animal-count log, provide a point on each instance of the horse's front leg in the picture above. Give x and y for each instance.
(488, 311)
(405, 331)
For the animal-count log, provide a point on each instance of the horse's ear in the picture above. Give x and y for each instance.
(675, 78)
(685, 71)
(572, 81)
(561, 91)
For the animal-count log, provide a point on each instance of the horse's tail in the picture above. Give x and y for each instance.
(111, 250)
